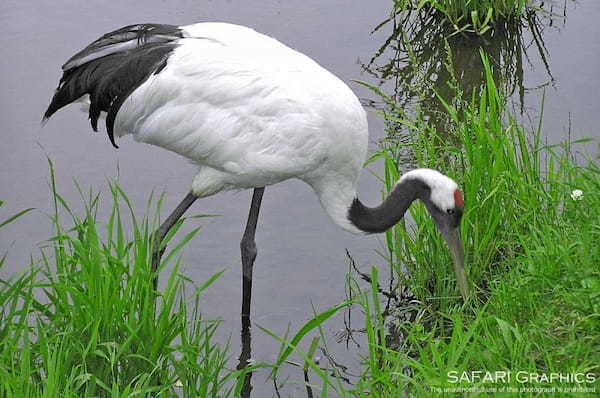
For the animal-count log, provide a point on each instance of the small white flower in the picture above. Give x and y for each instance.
(577, 194)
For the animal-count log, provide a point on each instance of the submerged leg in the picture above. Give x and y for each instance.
(244, 361)
(248, 247)
(162, 231)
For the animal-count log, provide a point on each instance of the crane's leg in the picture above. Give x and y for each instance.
(248, 247)
(244, 360)
(164, 228)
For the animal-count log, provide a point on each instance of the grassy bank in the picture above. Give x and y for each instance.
(531, 249)
(530, 228)
(87, 322)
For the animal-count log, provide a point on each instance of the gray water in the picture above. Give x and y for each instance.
(301, 261)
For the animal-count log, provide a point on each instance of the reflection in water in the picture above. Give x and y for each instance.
(416, 56)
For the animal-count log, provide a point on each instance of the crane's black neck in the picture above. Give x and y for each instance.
(391, 210)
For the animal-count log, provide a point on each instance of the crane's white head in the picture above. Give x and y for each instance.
(443, 191)
(444, 202)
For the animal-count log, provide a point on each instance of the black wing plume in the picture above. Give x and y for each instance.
(112, 67)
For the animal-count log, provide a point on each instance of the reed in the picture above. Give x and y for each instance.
(469, 16)
(87, 322)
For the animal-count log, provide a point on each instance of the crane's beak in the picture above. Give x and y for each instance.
(452, 237)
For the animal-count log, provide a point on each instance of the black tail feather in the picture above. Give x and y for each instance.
(111, 68)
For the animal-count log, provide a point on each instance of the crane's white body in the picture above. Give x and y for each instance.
(249, 112)
(252, 112)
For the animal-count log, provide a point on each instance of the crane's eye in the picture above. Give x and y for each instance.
(450, 211)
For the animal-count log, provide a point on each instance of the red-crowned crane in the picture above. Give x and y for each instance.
(250, 112)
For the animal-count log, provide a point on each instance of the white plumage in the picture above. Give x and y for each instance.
(250, 112)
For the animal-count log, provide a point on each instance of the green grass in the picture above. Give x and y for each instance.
(531, 251)
(87, 322)
(469, 16)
